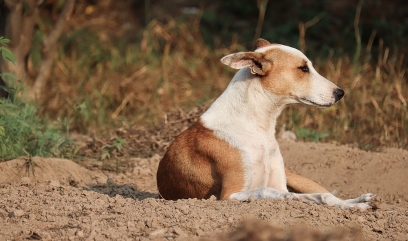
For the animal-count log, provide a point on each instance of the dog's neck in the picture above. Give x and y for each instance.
(245, 104)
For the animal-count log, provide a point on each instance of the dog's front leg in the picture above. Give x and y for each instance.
(261, 193)
(277, 176)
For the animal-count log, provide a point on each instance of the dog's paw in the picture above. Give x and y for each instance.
(360, 207)
(365, 198)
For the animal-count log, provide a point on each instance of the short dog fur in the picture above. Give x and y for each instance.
(231, 151)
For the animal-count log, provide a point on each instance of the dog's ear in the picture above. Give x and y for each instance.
(253, 60)
(259, 43)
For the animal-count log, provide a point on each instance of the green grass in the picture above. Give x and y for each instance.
(22, 131)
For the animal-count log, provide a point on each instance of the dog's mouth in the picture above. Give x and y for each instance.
(310, 102)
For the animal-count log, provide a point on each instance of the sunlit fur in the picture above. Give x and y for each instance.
(231, 152)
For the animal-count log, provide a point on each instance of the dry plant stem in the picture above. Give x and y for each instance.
(262, 9)
(197, 20)
(370, 41)
(48, 50)
(357, 32)
(122, 105)
(302, 31)
(19, 28)
(133, 77)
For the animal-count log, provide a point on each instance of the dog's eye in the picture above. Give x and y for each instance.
(304, 69)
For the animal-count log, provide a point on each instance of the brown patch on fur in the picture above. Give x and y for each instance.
(283, 74)
(259, 43)
(198, 165)
(299, 184)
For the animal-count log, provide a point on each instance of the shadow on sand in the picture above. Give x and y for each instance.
(126, 190)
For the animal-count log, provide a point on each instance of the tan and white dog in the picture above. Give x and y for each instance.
(231, 151)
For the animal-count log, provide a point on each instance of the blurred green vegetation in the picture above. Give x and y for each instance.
(127, 63)
(22, 131)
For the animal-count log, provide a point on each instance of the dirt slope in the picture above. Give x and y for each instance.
(65, 201)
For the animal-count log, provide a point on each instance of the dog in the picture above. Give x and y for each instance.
(231, 151)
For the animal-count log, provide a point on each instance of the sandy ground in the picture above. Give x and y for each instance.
(66, 201)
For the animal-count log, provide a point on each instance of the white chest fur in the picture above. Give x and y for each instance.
(245, 116)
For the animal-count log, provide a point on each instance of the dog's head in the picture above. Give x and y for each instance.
(288, 73)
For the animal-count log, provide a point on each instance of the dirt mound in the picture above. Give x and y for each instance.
(39, 169)
(125, 206)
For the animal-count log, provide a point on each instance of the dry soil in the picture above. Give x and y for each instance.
(61, 200)
(109, 193)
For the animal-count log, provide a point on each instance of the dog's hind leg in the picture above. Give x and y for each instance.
(361, 204)
(300, 184)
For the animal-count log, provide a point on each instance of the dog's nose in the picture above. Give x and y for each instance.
(338, 94)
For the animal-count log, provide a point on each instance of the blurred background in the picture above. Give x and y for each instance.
(103, 64)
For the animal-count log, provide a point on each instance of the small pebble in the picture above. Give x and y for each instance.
(18, 213)
(54, 183)
(80, 233)
(25, 181)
